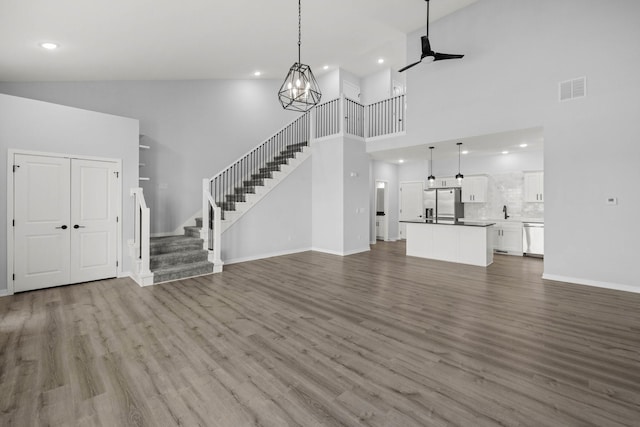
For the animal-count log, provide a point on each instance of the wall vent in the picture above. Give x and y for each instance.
(572, 89)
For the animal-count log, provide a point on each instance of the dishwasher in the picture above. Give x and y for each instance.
(533, 239)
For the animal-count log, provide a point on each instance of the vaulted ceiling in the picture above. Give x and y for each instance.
(203, 39)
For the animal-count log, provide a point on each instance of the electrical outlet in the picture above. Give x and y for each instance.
(612, 201)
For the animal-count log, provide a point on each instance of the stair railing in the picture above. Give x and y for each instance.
(211, 231)
(140, 246)
(386, 117)
(223, 184)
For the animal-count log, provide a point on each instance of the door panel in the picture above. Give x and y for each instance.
(411, 206)
(41, 207)
(93, 219)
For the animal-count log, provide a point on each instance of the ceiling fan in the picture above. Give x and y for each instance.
(427, 52)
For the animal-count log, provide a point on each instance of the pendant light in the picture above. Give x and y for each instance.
(459, 177)
(431, 178)
(300, 91)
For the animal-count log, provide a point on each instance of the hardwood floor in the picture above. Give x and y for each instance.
(376, 339)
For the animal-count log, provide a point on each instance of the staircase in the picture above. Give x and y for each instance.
(179, 257)
(242, 197)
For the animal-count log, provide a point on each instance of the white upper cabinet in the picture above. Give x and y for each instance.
(534, 187)
(474, 189)
(445, 182)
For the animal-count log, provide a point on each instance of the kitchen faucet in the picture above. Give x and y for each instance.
(504, 209)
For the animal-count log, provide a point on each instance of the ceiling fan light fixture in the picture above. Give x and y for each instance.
(428, 54)
(300, 90)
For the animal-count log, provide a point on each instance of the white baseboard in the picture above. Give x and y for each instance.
(4, 293)
(124, 274)
(594, 283)
(267, 255)
(338, 253)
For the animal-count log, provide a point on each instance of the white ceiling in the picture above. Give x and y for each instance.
(482, 145)
(204, 39)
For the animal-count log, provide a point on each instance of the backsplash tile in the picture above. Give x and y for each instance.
(505, 189)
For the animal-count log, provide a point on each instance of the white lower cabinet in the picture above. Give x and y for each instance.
(381, 227)
(508, 238)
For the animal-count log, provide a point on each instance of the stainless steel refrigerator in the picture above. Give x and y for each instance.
(449, 206)
(429, 204)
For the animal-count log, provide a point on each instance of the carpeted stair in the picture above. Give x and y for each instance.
(179, 257)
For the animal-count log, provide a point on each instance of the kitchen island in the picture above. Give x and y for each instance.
(464, 242)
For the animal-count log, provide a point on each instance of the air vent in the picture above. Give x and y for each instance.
(572, 89)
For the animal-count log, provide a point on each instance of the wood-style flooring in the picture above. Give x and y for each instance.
(375, 339)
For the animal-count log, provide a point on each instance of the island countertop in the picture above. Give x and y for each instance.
(468, 223)
(464, 243)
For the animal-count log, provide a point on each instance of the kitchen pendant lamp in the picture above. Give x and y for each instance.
(300, 91)
(431, 178)
(459, 177)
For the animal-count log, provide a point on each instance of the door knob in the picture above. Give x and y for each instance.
(64, 227)
(78, 226)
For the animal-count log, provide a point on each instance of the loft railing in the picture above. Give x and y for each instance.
(354, 113)
(386, 117)
(327, 118)
(140, 245)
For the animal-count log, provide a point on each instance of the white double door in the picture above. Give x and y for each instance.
(65, 213)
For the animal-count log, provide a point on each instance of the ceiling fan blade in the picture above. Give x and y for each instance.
(426, 47)
(440, 56)
(409, 66)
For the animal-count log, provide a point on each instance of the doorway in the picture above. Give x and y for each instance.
(382, 210)
(65, 220)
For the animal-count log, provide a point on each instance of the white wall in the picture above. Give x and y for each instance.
(40, 126)
(195, 128)
(524, 161)
(329, 84)
(279, 223)
(327, 195)
(376, 87)
(356, 196)
(516, 53)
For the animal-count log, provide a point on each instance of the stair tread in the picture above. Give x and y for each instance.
(176, 254)
(182, 267)
(169, 240)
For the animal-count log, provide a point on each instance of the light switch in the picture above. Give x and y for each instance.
(612, 201)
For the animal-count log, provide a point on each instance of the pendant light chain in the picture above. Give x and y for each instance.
(459, 176)
(431, 178)
(299, 29)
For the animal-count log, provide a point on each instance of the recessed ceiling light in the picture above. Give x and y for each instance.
(465, 152)
(380, 60)
(257, 74)
(326, 67)
(523, 145)
(49, 45)
(401, 161)
(505, 152)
